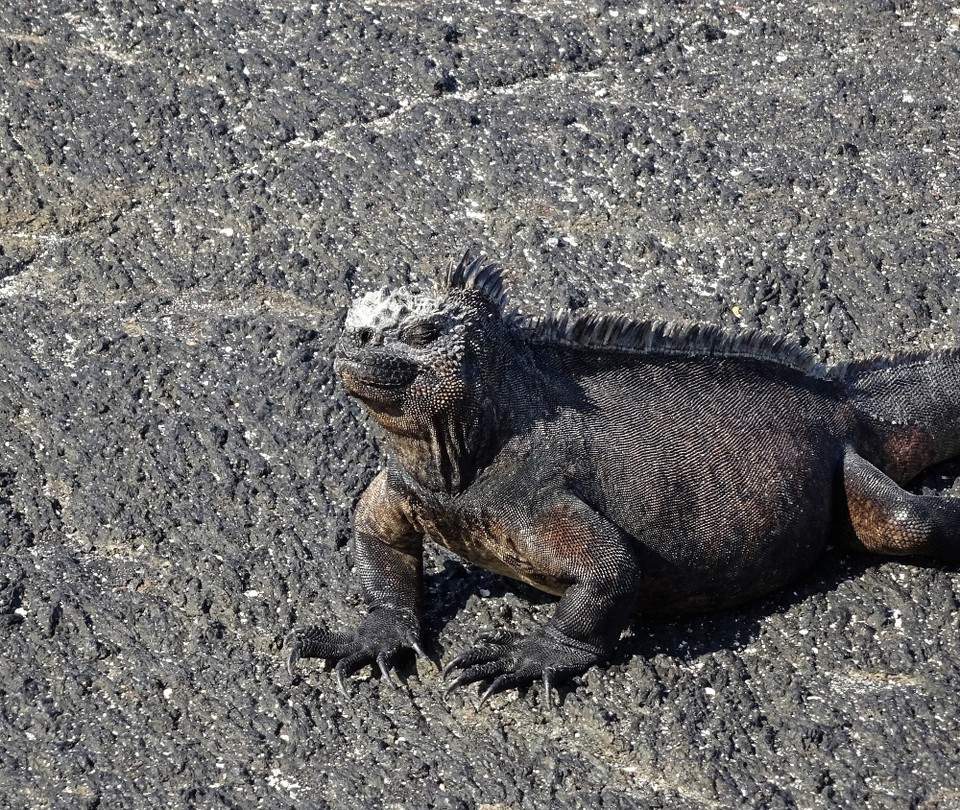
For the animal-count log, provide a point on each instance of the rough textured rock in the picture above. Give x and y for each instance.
(189, 196)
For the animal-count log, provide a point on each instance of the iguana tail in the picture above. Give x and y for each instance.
(909, 417)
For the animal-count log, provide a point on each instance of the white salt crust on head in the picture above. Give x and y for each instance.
(382, 308)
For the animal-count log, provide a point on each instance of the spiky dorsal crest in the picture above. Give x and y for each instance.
(476, 273)
(620, 333)
(853, 369)
(682, 338)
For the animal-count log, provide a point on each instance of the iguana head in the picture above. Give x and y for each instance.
(425, 364)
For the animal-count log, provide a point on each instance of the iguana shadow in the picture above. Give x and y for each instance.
(683, 638)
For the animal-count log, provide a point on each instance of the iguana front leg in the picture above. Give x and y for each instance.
(597, 562)
(388, 552)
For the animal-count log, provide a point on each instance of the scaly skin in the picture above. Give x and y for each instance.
(629, 468)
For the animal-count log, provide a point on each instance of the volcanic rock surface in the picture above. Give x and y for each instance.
(191, 194)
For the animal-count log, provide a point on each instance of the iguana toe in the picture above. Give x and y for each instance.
(347, 666)
(509, 660)
(316, 642)
(507, 681)
(376, 641)
(490, 647)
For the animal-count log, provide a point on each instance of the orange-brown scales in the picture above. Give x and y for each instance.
(629, 467)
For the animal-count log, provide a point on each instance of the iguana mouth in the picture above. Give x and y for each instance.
(365, 380)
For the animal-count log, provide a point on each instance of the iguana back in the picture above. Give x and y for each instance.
(719, 468)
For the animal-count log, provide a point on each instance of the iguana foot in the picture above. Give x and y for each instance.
(511, 660)
(378, 639)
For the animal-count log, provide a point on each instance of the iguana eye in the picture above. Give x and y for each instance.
(364, 336)
(421, 334)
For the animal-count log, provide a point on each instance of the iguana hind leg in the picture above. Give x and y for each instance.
(887, 519)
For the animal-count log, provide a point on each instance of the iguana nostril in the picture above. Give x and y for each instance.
(364, 336)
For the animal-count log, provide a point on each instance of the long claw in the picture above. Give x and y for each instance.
(454, 684)
(483, 700)
(421, 653)
(292, 660)
(491, 690)
(347, 666)
(505, 681)
(469, 676)
(425, 656)
(548, 689)
(340, 684)
(383, 663)
(450, 667)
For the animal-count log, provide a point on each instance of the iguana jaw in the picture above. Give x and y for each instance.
(375, 383)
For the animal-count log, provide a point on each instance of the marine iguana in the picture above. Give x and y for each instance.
(629, 467)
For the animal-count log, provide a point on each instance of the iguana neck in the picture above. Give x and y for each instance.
(445, 449)
(447, 456)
